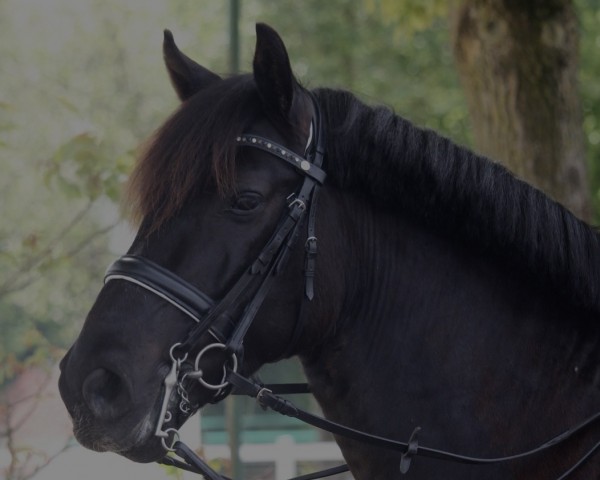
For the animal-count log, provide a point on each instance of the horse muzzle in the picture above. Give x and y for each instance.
(105, 414)
(108, 415)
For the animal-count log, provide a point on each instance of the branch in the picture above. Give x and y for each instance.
(47, 461)
(85, 242)
(8, 286)
(14, 283)
(35, 396)
(19, 467)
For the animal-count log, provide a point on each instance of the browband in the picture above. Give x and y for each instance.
(299, 163)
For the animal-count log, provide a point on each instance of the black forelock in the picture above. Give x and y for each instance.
(193, 150)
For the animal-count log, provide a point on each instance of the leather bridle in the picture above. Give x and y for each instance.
(217, 319)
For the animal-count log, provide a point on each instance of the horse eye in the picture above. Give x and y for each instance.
(246, 202)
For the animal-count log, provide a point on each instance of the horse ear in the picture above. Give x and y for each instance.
(186, 75)
(272, 71)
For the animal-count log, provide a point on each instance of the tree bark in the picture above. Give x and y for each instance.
(518, 62)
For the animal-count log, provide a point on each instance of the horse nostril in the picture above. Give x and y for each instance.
(105, 394)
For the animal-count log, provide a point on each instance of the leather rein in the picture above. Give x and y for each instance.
(215, 318)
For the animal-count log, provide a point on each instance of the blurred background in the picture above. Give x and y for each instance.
(82, 85)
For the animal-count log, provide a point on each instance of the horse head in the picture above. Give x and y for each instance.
(222, 193)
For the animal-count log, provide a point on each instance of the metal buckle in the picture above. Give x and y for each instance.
(310, 246)
(163, 440)
(259, 397)
(296, 202)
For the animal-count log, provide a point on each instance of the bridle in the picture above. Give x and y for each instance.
(216, 318)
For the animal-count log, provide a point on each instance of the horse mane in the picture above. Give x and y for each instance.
(465, 197)
(397, 165)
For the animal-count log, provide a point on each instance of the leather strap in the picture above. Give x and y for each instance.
(302, 165)
(161, 282)
(310, 246)
(410, 449)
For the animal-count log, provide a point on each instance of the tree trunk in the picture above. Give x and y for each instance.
(518, 62)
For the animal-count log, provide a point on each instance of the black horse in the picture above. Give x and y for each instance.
(420, 285)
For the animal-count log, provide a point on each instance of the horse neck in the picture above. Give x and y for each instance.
(459, 342)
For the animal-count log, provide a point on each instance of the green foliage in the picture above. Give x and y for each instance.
(403, 60)
(43, 233)
(81, 167)
(409, 16)
(589, 15)
(62, 165)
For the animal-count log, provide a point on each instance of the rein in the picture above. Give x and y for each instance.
(266, 398)
(216, 318)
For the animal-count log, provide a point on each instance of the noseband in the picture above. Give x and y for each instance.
(216, 318)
